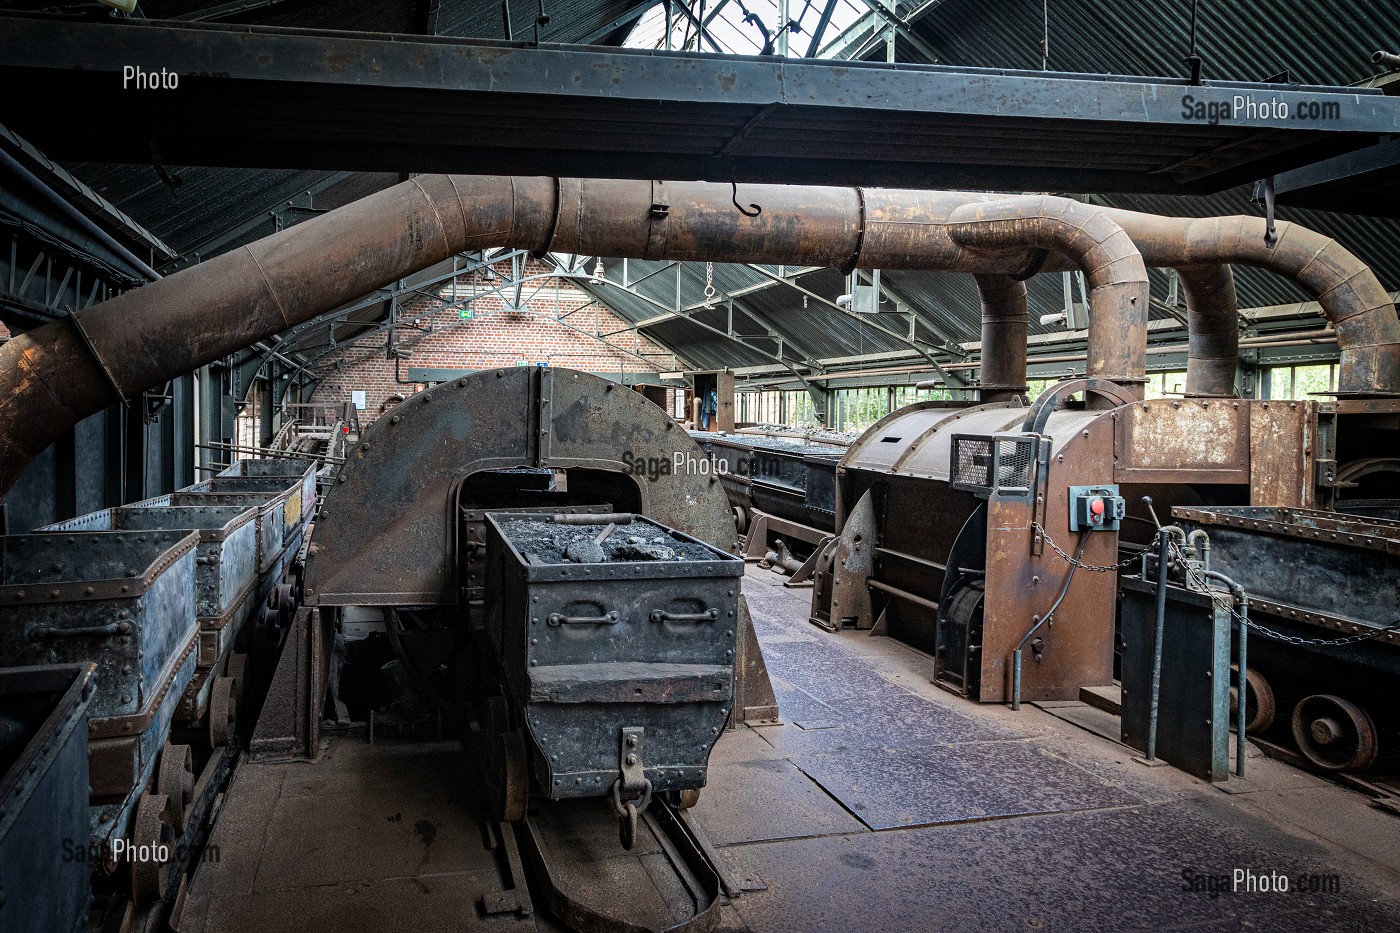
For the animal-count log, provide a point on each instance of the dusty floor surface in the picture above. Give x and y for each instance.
(880, 803)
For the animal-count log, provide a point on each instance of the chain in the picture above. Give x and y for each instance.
(1200, 580)
(1082, 565)
(709, 286)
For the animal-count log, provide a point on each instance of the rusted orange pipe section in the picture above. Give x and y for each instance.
(1098, 246)
(1005, 322)
(1213, 330)
(55, 375)
(1352, 299)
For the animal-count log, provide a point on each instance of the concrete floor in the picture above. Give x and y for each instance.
(880, 803)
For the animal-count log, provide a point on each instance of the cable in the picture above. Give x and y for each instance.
(1074, 565)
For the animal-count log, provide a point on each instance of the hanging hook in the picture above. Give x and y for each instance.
(753, 210)
(1270, 235)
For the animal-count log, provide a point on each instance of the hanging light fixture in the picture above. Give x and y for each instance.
(598, 272)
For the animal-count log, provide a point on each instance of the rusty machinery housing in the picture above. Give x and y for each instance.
(994, 540)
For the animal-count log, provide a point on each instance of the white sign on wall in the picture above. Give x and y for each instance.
(358, 397)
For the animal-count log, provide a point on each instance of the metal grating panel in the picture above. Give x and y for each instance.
(972, 463)
(987, 464)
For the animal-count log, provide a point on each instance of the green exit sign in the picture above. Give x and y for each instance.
(466, 314)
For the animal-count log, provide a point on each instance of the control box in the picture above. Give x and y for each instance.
(1097, 508)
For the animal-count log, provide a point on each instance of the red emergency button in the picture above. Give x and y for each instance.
(1096, 506)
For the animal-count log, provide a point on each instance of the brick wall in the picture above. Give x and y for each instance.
(432, 336)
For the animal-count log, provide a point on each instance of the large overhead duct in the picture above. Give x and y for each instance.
(1099, 247)
(55, 375)
(1005, 322)
(1351, 297)
(1213, 329)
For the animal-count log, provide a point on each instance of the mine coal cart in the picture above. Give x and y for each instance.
(616, 640)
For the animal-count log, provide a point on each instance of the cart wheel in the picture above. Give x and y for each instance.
(1259, 696)
(286, 604)
(1334, 733)
(515, 779)
(689, 798)
(237, 666)
(223, 713)
(497, 715)
(154, 827)
(741, 519)
(175, 779)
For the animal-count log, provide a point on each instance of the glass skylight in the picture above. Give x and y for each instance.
(728, 28)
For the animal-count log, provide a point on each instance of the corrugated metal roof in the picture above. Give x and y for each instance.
(207, 202)
(1245, 40)
(569, 20)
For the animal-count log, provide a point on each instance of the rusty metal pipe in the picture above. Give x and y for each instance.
(1005, 320)
(1098, 246)
(1350, 295)
(55, 375)
(1213, 330)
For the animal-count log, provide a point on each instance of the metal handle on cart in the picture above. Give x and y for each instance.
(558, 618)
(44, 632)
(661, 615)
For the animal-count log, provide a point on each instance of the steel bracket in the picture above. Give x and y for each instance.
(629, 760)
